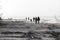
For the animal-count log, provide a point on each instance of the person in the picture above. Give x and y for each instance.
(31, 20)
(34, 19)
(38, 19)
(28, 18)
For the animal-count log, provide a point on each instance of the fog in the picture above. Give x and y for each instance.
(29, 8)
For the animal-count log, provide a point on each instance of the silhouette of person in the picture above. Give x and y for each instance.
(38, 20)
(28, 18)
(31, 20)
(35, 19)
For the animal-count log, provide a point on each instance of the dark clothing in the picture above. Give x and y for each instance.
(31, 20)
(36, 19)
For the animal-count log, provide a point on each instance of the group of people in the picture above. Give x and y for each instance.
(34, 19)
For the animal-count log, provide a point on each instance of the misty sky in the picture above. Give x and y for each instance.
(25, 8)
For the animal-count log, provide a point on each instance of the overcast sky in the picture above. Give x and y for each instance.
(25, 8)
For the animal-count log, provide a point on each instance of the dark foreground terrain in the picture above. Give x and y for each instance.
(21, 30)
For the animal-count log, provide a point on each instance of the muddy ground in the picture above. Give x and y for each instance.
(19, 30)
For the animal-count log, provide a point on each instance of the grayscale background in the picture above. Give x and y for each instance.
(16, 20)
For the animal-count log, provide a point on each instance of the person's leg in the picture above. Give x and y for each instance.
(35, 22)
(38, 21)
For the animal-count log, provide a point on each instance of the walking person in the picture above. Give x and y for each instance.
(35, 19)
(38, 20)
